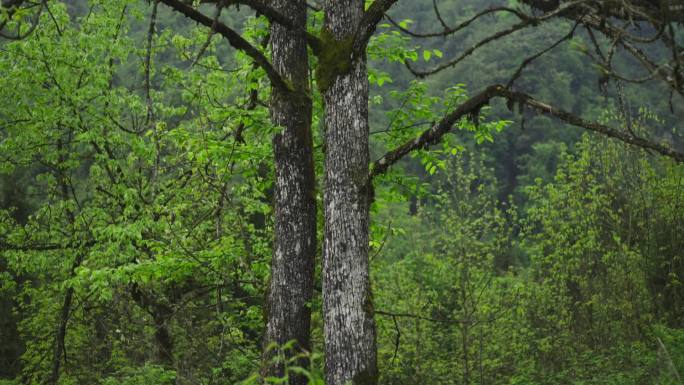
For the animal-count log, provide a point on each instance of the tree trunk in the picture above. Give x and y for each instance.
(60, 334)
(292, 266)
(350, 335)
(161, 315)
(59, 347)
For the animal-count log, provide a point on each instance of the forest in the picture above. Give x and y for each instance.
(341, 192)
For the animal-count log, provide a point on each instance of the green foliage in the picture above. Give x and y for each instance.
(438, 295)
(292, 363)
(586, 261)
(155, 212)
(461, 301)
(150, 210)
(146, 375)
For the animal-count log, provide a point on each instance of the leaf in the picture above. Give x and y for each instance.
(405, 23)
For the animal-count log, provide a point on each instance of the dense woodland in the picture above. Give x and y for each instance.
(147, 206)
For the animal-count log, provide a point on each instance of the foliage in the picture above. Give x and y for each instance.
(575, 300)
(136, 199)
(150, 214)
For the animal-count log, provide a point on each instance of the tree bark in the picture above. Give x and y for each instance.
(59, 347)
(292, 266)
(349, 327)
(60, 335)
(161, 315)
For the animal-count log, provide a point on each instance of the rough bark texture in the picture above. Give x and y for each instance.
(347, 301)
(292, 267)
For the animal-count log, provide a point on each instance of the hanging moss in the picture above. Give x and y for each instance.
(333, 60)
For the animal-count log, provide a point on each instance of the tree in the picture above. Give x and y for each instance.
(292, 265)
(171, 197)
(449, 301)
(340, 47)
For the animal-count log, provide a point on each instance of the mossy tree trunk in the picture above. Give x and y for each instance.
(350, 334)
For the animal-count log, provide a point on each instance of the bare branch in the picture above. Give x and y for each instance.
(604, 17)
(527, 21)
(451, 30)
(534, 57)
(438, 15)
(496, 36)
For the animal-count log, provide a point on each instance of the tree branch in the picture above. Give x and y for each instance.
(603, 16)
(274, 16)
(4, 246)
(234, 39)
(148, 64)
(536, 56)
(451, 30)
(370, 21)
(11, 7)
(526, 21)
(473, 105)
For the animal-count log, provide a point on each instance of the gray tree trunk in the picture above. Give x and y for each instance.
(349, 325)
(292, 267)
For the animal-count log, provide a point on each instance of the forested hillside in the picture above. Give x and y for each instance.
(183, 186)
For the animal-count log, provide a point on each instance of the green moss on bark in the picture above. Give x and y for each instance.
(334, 59)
